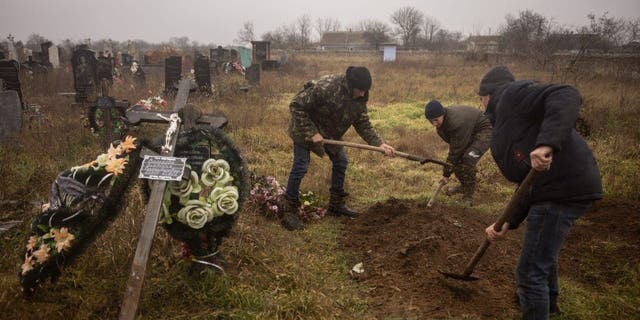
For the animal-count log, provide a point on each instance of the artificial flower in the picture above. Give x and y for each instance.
(113, 152)
(42, 254)
(63, 239)
(128, 144)
(224, 200)
(116, 166)
(215, 172)
(33, 240)
(195, 214)
(27, 265)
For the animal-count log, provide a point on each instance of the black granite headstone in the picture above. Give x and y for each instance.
(83, 62)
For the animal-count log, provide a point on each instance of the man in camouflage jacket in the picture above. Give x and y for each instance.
(468, 132)
(327, 108)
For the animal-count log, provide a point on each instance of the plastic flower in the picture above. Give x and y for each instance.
(42, 254)
(184, 188)
(215, 172)
(33, 240)
(63, 239)
(113, 152)
(224, 200)
(195, 214)
(27, 265)
(116, 166)
(128, 144)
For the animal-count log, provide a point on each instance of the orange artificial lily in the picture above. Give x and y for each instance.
(128, 144)
(116, 166)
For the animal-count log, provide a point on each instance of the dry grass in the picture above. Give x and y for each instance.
(273, 273)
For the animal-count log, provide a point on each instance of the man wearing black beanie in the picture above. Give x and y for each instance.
(327, 108)
(467, 131)
(534, 129)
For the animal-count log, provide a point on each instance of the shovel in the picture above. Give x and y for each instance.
(513, 203)
(435, 194)
(397, 153)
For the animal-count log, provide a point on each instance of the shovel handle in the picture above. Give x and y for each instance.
(379, 149)
(435, 194)
(520, 193)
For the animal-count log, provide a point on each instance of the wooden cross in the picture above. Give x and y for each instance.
(139, 266)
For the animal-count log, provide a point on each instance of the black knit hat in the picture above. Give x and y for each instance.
(494, 79)
(433, 109)
(359, 78)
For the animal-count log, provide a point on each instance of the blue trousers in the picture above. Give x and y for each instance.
(301, 160)
(537, 272)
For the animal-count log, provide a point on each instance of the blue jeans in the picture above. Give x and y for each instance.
(537, 273)
(301, 159)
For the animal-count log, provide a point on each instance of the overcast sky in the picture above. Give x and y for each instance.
(218, 22)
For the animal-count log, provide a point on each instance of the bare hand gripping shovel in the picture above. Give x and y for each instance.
(511, 206)
(397, 153)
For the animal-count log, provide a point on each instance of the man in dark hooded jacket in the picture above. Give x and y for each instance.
(533, 129)
(468, 132)
(327, 108)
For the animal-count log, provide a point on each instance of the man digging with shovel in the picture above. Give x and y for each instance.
(467, 131)
(327, 108)
(534, 127)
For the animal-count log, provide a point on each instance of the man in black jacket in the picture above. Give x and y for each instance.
(467, 131)
(533, 129)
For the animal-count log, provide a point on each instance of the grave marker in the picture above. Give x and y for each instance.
(11, 111)
(203, 73)
(172, 73)
(253, 74)
(9, 73)
(83, 62)
(54, 56)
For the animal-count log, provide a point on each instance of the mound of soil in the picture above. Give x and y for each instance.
(403, 245)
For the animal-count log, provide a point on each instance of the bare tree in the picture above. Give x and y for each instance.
(327, 25)
(525, 33)
(633, 29)
(304, 30)
(246, 34)
(409, 21)
(375, 32)
(610, 29)
(431, 26)
(34, 40)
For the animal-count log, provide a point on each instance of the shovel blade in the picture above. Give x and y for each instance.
(458, 276)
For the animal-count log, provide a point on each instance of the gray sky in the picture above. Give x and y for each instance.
(218, 22)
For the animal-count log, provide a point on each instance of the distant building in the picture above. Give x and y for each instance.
(344, 40)
(483, 44)
(575, 42)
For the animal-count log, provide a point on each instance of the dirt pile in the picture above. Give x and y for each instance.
(403, 244)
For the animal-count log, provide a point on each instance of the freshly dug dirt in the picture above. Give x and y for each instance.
(403, 244)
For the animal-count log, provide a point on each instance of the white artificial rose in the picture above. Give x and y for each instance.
(215, 170)
(224, 200)
(195, 214)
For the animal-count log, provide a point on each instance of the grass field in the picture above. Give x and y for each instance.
(272, 273)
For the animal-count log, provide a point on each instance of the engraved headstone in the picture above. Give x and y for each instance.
(11, 110)
(261, 51)
(13, 52)
(126, 60)
(9, 73)
(172, 73)
(253, 74)
(84, 64)
(44, 53)
(202, 73)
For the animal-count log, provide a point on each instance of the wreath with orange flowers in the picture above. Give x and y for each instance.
(81, 201)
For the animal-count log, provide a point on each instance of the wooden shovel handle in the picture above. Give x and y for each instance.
(379, 149)
(520, 193)
(435, 194)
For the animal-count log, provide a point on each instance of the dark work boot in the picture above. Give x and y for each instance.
(337, 206)
(290, 218)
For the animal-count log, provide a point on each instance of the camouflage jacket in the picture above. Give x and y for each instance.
(461, 126)
(327, 106)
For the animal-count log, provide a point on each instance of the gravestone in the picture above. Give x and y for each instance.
(11, 119)
(84, 65)
(13, 52)
(172, 73)
(261, 51)
(44, 53)
(253, 74)
(9, 73)
(203, 73)
(126, 60)
(268, 65)
(54, 57)
(2, 56)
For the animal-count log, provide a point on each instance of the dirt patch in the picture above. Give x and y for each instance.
(403, 244)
